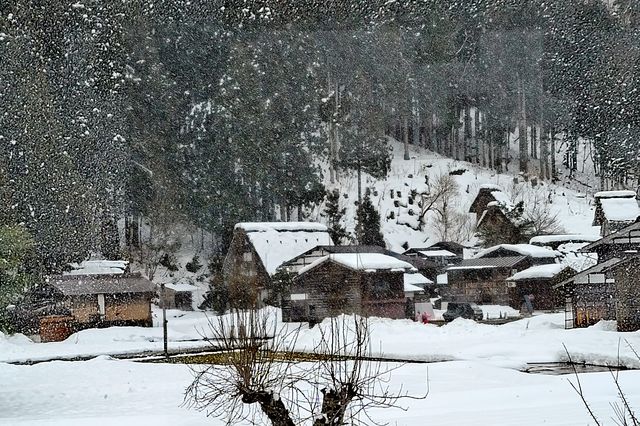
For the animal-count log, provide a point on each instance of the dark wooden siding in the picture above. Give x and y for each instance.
(545, 297)
(331, 289)
(244, 274)
(628, 295)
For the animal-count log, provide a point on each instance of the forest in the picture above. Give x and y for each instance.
(207, 113)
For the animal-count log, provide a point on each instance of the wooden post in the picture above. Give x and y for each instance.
(164, 319)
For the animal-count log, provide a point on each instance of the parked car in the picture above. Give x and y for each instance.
(462, 310)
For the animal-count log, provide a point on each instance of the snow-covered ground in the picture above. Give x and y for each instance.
(480, 384)
(540, 338)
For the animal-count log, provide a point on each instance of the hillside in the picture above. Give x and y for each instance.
(399, 218)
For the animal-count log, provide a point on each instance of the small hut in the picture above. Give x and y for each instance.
(536, 283)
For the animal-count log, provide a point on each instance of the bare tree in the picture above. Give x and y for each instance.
(443, 190)
(261, 375)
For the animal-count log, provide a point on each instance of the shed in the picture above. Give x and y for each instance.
(414, 283)
(370, 284)
(538, 281)
(104, 300)
(615, 210)
(178, 296)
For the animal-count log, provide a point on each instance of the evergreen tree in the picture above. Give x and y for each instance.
(334, 215)
(368, 224)
(16, 246)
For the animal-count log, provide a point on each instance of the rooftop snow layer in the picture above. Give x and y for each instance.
(615, 194)
(98, 267)
(522, 249)
(437, 253)
(280, 226)
(573, 238)
(278, 242)
(502, 198)
(491, 186)
(620, 209)
(410, 288)
(540, 271)
(90, 284)
(416, 279)
(368, 262)
(181, 287)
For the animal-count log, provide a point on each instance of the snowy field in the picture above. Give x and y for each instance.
(123, 393)
(479, 382)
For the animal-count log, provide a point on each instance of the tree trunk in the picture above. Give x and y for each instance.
(405, 137)
(553, 154)
(359, 185)
(523, 142)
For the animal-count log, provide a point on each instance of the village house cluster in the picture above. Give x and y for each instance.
(296, 266)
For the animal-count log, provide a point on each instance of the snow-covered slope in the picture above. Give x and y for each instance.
(399, 213)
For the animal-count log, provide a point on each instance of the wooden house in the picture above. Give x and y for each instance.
(444, 253)
(258, 249)
(622, 243)
(606, 291)
(104, 300)
(483, 278)
(627, 285)
(536, 283)
(415, 284)
(370, 284)
(425, 266)
(488, 193)
(615, 210)
(178, 295)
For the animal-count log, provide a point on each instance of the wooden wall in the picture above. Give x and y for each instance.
(243, 271)
(331, 289)
(628, 296)
(121, 308)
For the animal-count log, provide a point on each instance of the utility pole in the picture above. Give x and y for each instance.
(164, 319)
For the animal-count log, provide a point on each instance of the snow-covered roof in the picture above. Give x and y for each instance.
(410, 288)
(463, 267)
(620, 209)
(181, 287)
(278, 242)
(75, 285)
(576, 238)
(442, 279)
(367, 262)
(615, 194)
(491, 186)
(522, 249)
(488, 262)
(98, 267)
(501, 198)
(437, 253)
(416, 279)
(280, 226)
(540, 271)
